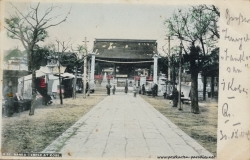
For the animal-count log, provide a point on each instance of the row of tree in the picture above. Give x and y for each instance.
(30, 29)
(198, 34)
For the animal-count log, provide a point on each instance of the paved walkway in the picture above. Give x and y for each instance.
(123, 126)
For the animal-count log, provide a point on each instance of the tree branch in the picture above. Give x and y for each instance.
(58, 22)
(13, 32)
(36, 11)
(22, 15)
(46, 13)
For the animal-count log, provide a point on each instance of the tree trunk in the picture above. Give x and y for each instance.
(204, 87)
(74, 85)
(194, 92)
(33, 80)
(60, 84)
(212, 87)
(173, 72)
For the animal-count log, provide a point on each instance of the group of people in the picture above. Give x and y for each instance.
(175, 93)
(108, 87)
(154, 90)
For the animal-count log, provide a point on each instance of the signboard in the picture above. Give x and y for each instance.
(121, 76)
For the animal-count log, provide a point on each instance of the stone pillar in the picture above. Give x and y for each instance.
(155, 57)
(92, 73)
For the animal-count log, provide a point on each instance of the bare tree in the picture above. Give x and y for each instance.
(30, 29)
(64, 47)
(79, 60)
(197, 29)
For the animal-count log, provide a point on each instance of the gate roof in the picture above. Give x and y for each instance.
(136, 49)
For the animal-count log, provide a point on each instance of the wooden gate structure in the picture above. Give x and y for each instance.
(124, 58)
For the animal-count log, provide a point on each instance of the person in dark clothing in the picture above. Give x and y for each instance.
(153, 90)
(126, 88)
(156, 90)
(108, 86)
(143, 89)
(175, 97)
(87, 87)
(114, 89)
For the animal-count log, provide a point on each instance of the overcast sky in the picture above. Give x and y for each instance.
(102, 20)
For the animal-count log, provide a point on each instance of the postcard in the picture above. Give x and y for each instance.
(125, 79)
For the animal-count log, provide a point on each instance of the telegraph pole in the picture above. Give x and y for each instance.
(169, 58)
(88, 77)
(60, 83)
(85, 67)
(180, 55)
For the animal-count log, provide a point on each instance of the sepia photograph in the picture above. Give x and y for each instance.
(117, 80)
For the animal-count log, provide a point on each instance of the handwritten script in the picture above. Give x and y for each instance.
(236, 57)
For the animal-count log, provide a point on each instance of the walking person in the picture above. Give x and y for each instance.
(153, 90)
(114, 89)
(156, 89)
(135, 90)
(143, 89)
(108, 86)
(126, 88)
(87, 88)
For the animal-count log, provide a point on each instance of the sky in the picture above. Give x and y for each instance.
(101, 20)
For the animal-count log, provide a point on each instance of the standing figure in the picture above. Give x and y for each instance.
(156, 90)
(143, 89)
(114, 89)
(126, 88)
(8, 98)
(175, 97)
(87, 87)
(108, 86)
(153, 90)
(134, 90)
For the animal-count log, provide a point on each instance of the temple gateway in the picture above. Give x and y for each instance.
(121, 61)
